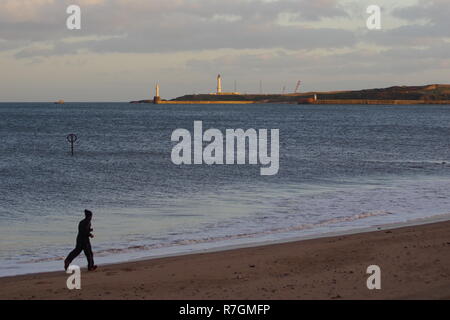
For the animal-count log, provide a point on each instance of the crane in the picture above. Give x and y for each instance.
(297, 86)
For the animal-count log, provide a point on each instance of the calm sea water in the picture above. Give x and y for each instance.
(341, 167)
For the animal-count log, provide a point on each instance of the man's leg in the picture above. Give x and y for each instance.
(89, 255)
(72, 255)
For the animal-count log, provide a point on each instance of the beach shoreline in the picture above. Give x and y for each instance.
(413, 257)
(149, 254)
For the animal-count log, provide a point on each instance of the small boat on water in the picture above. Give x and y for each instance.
(59, 102)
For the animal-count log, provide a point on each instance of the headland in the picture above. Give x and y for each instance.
(397, 95)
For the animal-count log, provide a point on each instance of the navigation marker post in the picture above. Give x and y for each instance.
(72, 138)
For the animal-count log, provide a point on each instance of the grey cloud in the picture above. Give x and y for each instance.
(394, 62)
(163, 26)
(436, 15)
(408, 35)
(304, 9)
(235, 37)
(439, 51)
(436, 11)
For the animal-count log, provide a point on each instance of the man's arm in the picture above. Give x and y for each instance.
(90, 230)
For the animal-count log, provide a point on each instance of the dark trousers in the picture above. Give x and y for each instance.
(82, 246)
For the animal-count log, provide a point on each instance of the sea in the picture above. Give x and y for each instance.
(342, 168)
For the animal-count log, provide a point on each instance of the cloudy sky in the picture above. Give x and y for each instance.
(125, 46)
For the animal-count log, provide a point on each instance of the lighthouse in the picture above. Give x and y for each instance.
(219, 84)
(156, 98)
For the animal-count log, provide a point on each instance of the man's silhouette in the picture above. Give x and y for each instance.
(83, 242)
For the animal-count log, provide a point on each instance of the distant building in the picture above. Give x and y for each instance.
(219, 88)
(219, 84)
(156, 98)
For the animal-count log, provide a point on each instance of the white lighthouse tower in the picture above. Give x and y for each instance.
(219, 84)
(156, 98)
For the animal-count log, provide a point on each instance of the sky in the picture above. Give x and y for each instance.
(125, 46)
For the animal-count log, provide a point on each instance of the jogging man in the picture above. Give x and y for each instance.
(83, 242)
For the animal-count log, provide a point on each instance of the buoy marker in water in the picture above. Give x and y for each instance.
(72, 138)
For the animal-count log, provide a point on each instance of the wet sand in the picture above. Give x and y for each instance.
(414, 262)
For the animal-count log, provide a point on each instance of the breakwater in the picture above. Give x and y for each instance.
(204, 102)
(373, 102)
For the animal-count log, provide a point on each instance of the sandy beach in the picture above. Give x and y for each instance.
(414, 262)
